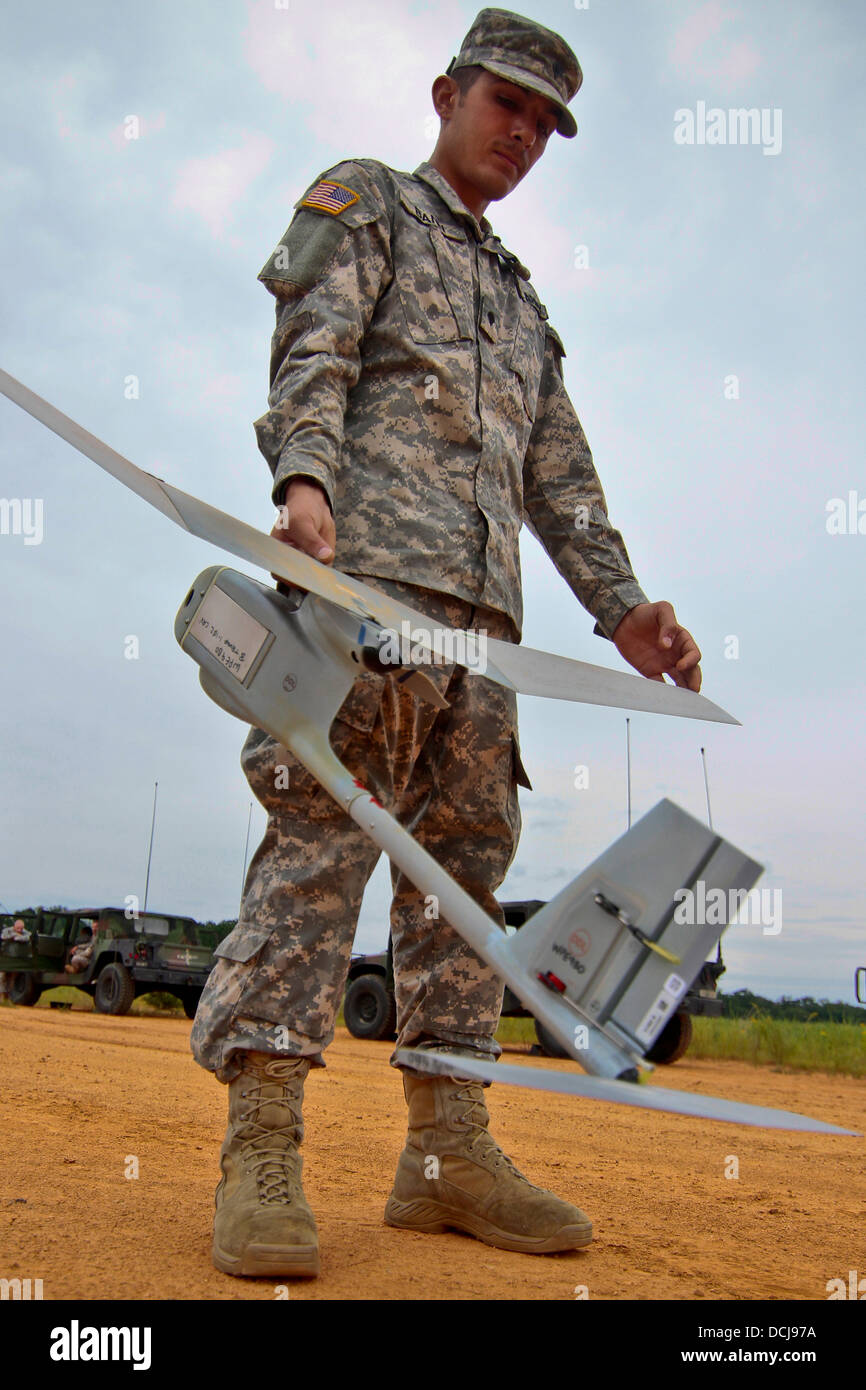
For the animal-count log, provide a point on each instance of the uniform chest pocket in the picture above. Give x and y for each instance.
(434, 278)
(527, 353)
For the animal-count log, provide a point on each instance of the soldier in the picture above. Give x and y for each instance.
(82, 952)
(417, 417)
(16, 932)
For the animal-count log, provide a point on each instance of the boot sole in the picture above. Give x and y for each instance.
(292, 1261)
(435, 1218)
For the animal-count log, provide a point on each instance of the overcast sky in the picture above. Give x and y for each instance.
(715, 357)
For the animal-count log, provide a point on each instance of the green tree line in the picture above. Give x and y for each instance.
(744, 1004)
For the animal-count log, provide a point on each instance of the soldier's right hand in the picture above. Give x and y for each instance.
(305, 521)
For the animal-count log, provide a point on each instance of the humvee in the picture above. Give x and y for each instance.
(131, 956)
(370, 1009)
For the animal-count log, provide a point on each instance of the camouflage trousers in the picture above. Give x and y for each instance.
(450, 777)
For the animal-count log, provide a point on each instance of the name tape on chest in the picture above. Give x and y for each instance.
(331, 197)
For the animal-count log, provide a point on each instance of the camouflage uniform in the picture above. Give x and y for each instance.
(82, 954)
(13, 932)
(415, 376)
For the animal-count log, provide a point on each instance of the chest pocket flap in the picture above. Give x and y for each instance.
(433, 272)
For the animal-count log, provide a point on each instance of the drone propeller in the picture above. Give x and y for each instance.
(519, 668)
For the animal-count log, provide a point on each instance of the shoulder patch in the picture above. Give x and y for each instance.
(303, 253)
(328, 196)
(326, 215)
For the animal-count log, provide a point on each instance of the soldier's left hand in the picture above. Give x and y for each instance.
(652, 641)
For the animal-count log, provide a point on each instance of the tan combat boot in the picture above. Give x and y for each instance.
(453, 1173)
(263, 1224)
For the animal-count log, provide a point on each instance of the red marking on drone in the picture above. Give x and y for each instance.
(552, 981)
(580, 942)
(375, 800)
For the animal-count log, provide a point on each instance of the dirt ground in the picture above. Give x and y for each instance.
(81, 1092)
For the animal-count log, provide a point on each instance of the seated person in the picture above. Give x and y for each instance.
(82, 952)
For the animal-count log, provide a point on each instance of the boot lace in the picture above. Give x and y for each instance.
(268, 1151)
(482, 1142)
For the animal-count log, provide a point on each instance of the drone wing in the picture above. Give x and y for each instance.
(560, 678)
(622, 1092)
(519, 668)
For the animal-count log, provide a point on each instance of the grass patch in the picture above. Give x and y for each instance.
(838, 1048)
(66, 994)
(516, 1030)
(158, 1002)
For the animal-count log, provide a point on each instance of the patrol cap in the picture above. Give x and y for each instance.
(527, 54)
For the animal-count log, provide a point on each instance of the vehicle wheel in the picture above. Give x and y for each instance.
(24, 988)
(190, 1002)
(673, 1041)
(547, 1042)
(370, 1009)
(115, 990)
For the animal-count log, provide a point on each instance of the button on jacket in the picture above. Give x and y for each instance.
(415, 375)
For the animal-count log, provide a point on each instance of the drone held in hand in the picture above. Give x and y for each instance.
(605, 963)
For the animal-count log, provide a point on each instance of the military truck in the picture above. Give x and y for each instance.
(131, 955)
(370, 1010)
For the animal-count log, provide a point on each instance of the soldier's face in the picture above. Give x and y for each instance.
(492, 138)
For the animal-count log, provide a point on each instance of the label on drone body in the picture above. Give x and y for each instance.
(228, 632)
(661, 1009)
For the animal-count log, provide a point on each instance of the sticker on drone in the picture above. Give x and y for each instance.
(662, 1006)
(228, 632)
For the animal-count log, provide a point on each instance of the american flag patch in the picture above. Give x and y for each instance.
(330, 197)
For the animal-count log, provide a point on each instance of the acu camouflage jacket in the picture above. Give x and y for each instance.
(414, 374)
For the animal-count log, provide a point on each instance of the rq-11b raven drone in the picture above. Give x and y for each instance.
(605, 963)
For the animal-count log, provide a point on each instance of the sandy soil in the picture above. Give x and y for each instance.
(80, 1092)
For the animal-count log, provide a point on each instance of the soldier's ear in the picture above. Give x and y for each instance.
(445, 93)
